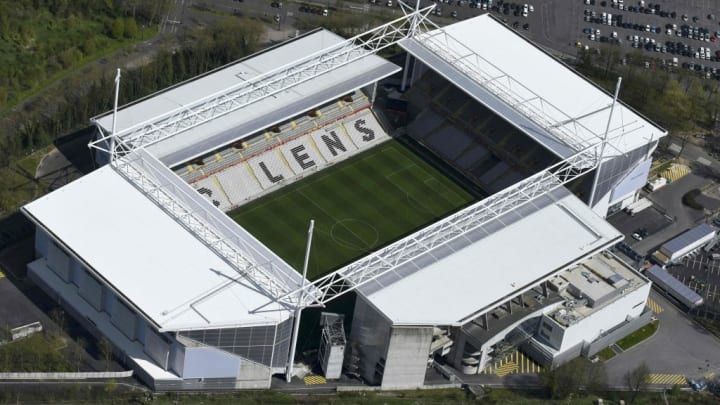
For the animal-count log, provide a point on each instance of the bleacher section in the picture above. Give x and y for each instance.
(237, 174)
(486, 148)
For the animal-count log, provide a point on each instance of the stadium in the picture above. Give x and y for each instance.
(463, 214)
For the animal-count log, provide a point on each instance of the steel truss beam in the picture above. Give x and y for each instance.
(385, 260)
(139, 170)
(276, 81)
(568, 130)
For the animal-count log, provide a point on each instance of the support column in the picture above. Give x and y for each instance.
(483, 360)
(374, 93)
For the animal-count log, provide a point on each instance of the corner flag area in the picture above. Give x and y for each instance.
(358, 205)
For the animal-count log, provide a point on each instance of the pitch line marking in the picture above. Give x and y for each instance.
(332, 218)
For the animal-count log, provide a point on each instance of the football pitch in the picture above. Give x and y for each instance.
(358, 205)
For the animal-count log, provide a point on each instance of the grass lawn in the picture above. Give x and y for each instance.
(606, 354)
(358, 206)
(638, 336)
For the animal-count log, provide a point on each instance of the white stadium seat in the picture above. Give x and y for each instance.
(301, 154)
(284, 158)
(210, 189)
(239, 184)
(364, 129)
(333, 143)
(270, 169)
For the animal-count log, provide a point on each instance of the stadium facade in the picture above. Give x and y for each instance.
(142, 252)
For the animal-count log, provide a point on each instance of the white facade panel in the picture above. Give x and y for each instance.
(91, 290)
(407, 357)
(634, 181)
(209, 362)
(41, 242)
(157, 348)
(629, 305)
(58, 261)
(124, 319)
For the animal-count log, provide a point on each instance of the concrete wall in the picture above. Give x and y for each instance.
(630, 305)
(370, 334)
(618, 333)
(407, 357)
(209, 362)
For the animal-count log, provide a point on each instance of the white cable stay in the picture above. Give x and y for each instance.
(268, 84)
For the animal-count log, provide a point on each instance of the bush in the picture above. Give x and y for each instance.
(689, 199)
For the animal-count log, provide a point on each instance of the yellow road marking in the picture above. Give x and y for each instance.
(666, 379)
(2, 275)
(654, 306)
(512, 363)
(314, 379)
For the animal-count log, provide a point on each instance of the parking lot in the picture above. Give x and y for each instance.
(681, 34)
(701, 273)
(650, 220)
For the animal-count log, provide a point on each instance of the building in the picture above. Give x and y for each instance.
(141, 251)
(685, 243)
(673, 287)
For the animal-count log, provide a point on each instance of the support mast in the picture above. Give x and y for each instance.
(604, 143)
(299, 308)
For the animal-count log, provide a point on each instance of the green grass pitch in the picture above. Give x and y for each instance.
(358, 205)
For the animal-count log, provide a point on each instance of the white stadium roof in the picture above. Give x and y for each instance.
(491, 264)
(531, 89)
(255, 116)
(150, 259)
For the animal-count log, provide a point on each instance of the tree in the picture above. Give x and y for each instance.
(574, 376)
(117, 29)
(89, 47)
(699, 101)
(636, 379)
(675, 106)
(105, 351)
(78, 352)
(57, 315)
(131, 28)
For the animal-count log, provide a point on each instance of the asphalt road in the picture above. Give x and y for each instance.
(669, 198)
(680, 346)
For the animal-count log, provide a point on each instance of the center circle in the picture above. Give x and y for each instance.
(354, 234)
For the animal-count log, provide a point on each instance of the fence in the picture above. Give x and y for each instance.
(66, 376)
